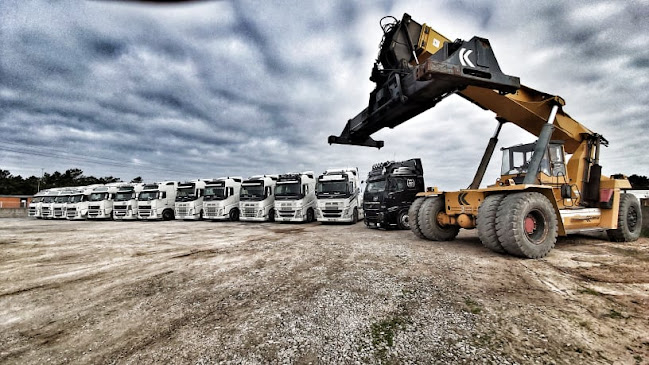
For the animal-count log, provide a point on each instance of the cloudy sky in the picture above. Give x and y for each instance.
(209, 89)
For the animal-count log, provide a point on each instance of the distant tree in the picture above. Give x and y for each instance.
(639, 182)
(137, 180)
(16, 185)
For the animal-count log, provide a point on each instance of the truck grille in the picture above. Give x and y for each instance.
(32, 211)
(286, 213)
(71, 212)
(249, 212)
(332, 213)
(58, 212)
(181, 211)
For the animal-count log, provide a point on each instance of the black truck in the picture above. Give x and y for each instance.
(391, 188)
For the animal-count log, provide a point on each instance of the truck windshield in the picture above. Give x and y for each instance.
(48, 199)
(75, 198)
(37, 199)
(148, 195)
(252, 191)
(61, 199)
(375, 186)
(96, 197)
(215, 192)
(122, 197)
(290, 189)
(329, 188)
(185, 194)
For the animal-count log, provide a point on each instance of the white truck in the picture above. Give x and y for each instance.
(295, 199)
(125, 202)
(257, 198)
(156, 201)
(35, 205)
(221, 200)
(339, 196)
(47, 203)
(61, 202)
(189, 200)
(100, 204)
(77, 207)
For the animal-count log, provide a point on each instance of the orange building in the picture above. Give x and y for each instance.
(15, 201)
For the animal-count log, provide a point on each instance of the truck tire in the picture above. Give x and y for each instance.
(310, 216)
(527, 225)
(486, 222)
(629, 220)
(355, 216)
(427, 220)
(403, 220)
(167, 214)
(234, 215)
(271, 215)
(413, 216)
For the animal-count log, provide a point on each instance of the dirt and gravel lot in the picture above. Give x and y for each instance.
(213, 292)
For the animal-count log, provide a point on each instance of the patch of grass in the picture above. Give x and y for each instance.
(472, 306)
(614, 314)
(589, 291)
(383, 333)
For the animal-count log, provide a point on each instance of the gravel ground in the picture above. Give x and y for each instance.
(215, 292)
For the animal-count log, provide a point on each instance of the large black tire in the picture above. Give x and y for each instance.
(355, 216)
(403, 220)
(167, 214)
(629, 220)
(234, 215)
(486, 222)
(427, 219)
(271, 215)
(527, 225)
(310, 215)
(413, 216)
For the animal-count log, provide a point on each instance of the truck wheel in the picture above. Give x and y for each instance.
(168, 215)
(310, 215)
(355, 216)
(527, 225)
(200, 216)
(271, 215)
(403, 220)
(486, 222)
(629, 220)
(234, 214)
(413, 216)
(430, 228)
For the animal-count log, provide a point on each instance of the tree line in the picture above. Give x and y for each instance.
(17, 185)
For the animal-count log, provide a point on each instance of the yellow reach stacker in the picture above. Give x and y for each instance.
(539, 195)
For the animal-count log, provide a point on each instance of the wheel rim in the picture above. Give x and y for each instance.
(405, 220)
(632, 218)
(535, 227)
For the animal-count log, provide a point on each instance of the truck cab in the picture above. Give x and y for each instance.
(60, 204)
(156, 201)
(125, 202)
(339, 196)
(257, 198)
(221, 200)
(77, 207)
(295, 199)
(391, 188)
(189, 200)
(100, 204)
(36, 203)
(47, 203)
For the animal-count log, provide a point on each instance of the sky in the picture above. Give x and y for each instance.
(239, 88)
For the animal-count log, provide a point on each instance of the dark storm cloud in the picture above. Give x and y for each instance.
(245, 88)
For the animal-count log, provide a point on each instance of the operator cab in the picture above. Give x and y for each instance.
(516, 160)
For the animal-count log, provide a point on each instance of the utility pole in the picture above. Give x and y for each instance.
(39, 180)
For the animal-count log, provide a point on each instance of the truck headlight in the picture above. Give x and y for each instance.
(345, 211)
(260, 213)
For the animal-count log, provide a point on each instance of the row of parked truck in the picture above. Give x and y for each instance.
(334, 196)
